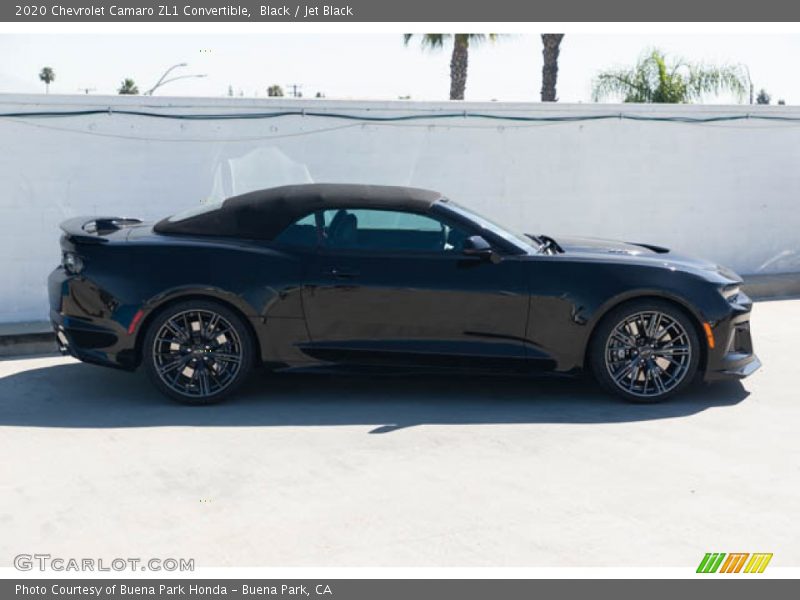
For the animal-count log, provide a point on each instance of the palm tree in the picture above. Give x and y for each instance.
(128, 87)
(550, 51)
(460, 58)
(48, 76)
(275, 91)
(654, 80)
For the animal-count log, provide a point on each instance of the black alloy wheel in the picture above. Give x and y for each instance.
(198, 352)
(645, 351)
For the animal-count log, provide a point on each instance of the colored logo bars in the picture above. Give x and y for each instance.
(719, 562)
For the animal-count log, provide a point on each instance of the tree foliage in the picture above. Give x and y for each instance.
(48, 76)
(655, 79)
(128, 87)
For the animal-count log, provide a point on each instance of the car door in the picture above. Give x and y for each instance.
(281, 274)
(394, 287)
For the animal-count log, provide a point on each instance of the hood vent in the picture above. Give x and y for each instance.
(656, 249)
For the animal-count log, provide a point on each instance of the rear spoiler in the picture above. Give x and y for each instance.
(91, 230)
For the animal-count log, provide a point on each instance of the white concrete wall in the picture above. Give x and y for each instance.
(727, 191)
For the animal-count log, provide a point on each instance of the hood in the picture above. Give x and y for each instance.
(641, 253)
(601, 246)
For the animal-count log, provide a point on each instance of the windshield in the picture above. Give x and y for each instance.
(519, 240)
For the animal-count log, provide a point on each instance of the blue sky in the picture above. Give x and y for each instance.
(375, 66)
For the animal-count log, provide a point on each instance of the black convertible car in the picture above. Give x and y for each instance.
(368, 277)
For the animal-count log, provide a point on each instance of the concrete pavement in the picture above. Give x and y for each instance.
(326, 471)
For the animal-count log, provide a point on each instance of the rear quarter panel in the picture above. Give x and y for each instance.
(150, 270)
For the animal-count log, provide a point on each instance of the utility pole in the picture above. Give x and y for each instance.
(294, 90)
(86, 90)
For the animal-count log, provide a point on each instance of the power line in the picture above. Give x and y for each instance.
(398, 118)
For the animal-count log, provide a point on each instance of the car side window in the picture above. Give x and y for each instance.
(302, 233)
(389, 230)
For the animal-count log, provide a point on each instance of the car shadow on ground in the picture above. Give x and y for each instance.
(79, 395)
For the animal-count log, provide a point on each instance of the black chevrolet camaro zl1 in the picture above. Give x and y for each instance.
(357, 277)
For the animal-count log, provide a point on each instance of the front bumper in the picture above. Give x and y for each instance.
(733, 356)
(752, 365)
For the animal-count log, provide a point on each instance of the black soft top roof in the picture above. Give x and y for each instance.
(265, 213)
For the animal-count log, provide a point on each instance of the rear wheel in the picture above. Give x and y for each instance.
(645, 351)
(198, 352)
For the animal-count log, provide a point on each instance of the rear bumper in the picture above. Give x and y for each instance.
(87, 342)
(85, 325)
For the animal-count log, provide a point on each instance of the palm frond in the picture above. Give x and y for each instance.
(478, 38)
(429, 41)
(655, 79)
(617, 83)
(435, 41)
(705, 79)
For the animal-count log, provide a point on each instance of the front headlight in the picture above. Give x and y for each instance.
(731, 293)
(72, 263)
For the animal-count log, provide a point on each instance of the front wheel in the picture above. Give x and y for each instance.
(645, 351)
(198, 352)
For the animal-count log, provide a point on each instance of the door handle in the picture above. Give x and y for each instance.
(338, 273)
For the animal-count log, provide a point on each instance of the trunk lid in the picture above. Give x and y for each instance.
(97, 230)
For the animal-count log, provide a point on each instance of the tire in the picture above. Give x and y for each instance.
(645, 351)
(198, 352)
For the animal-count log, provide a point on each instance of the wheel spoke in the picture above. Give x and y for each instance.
(637, 370)
(225, 356)
(641, 328)
(176, 331)
(211, 326)
(654, 323)
(618, 377)
(659, 382)
(626, 341)
(164, 369)
(205, 388)
(187, 326)
(672, 351)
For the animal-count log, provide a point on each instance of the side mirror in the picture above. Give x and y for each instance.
(477, 246)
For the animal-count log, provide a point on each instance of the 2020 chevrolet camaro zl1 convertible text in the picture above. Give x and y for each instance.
(364, 277)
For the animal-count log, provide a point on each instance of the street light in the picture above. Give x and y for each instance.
(163, 80)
